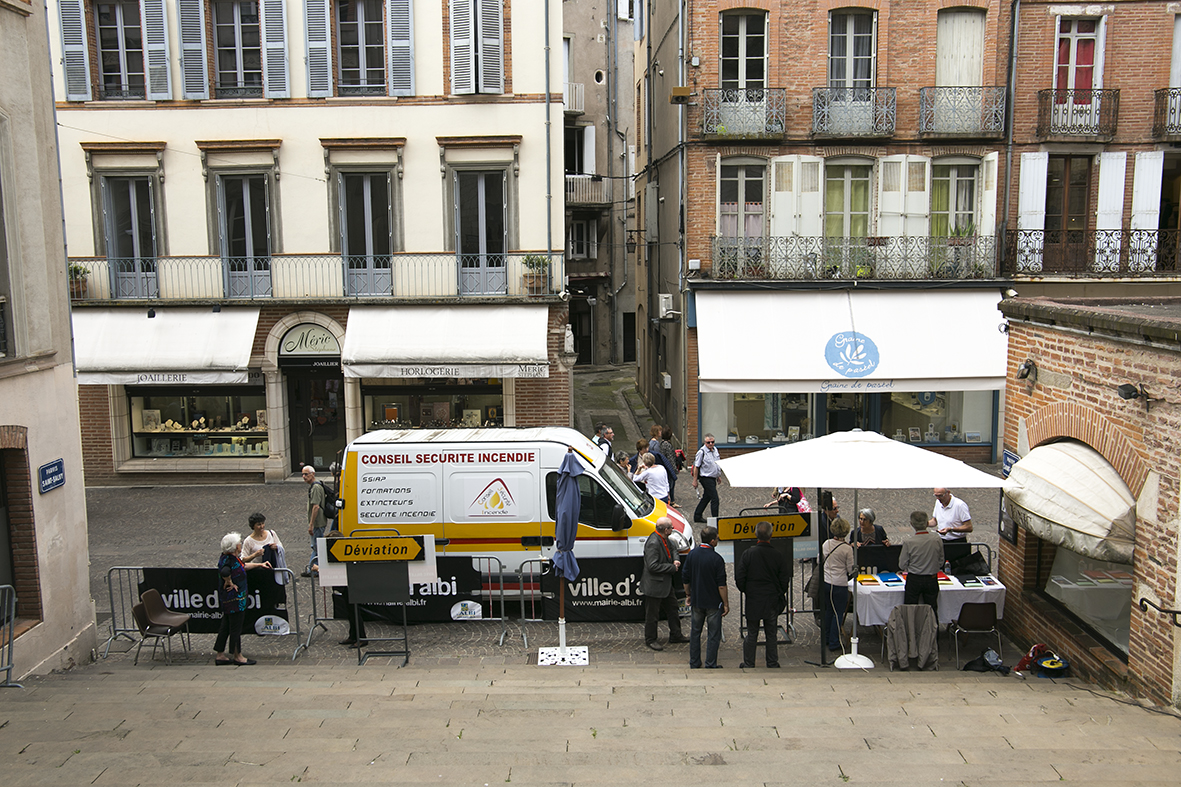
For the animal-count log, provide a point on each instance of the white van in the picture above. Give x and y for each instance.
(492, 491)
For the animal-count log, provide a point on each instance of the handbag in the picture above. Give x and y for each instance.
(803, 506)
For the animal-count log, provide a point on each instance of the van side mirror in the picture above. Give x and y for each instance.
(620, 521)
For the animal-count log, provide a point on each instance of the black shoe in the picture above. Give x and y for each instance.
(716, 666)
(654, 645)
(699, 521)
(350, 641)
(678, 640)
(306, 574)
(744, 665)
(772, 666)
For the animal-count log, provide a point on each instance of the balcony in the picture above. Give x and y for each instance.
(974, 112)
(319, 277)
(743, 113)
(894, 257)
(1077, 114)
(587, 190)
(1092, 254)
(1166, 119)
(847, 112)
(573, 98)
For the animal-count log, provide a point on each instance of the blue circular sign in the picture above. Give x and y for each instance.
(852, 354)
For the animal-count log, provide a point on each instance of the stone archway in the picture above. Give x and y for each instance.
(1070, 419)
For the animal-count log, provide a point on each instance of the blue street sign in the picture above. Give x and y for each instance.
(1008, 459)
(52, 475)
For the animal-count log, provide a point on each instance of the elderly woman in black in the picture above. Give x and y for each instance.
(232, 592)
(868, 532)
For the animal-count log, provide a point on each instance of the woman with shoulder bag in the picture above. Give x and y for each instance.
(837, 555)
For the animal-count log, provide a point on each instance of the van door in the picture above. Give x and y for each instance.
(493, 505)
(596, 538)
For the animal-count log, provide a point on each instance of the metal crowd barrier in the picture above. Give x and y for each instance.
(529, 591)
(7, 633)
(492, 587)
(123, 592)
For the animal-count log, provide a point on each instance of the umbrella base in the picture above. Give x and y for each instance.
(573, 656)
(853, 660)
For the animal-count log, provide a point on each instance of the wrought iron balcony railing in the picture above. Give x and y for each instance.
(321, 276)
(893, 257)
(244, 91)
(854, 111)
(962, 111)
(361, 90)
(745, 113)
(573, 98)
(1077, 113)
(122, 93)
(587, 190)
(1091, 253)
(1166, 119)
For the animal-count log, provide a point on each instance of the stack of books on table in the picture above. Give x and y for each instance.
(944, 580)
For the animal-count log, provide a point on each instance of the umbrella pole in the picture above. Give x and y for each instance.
(852, 659)
(562, 617)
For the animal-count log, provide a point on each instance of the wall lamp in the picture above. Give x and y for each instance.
(151, 313)
(1027, 370)
(632, 242)
(1131, 391)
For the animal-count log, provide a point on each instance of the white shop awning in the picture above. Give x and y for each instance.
(1068, 494)
(178, 346)
(865, 342)
(446, 341)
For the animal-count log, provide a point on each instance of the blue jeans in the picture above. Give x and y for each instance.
(712, 620)
(317, 532)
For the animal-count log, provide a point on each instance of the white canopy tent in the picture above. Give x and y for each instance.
(853, 460)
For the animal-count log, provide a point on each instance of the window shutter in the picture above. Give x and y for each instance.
(463, 47)
(810, 202)
(316, 20)
(1146, 187)
(400, 20)
(783, 196)
(588, 149)
(916, 200)
(274, 49)
(155, 27)
(75, 55)
(490, 22)
(986, 215)
(1112, 171)
(891, 194)
(1031, 199)
(193, 69)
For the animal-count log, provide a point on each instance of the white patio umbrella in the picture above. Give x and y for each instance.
(854, 460)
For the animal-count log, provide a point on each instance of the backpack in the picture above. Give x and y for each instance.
(680, 459)
(331, 501)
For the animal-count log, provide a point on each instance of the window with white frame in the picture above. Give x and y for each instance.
(477, 46)
(360, 47)
(1077, 58)
(367, 230)
(129, 59)
(846, 200)
(244, 229)
(852, 49)
(744, 51)
(953, 198)
(742, 200)
(238, 48)
(582, 239)
(130, 236)
(248, 42)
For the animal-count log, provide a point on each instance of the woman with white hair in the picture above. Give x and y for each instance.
(232, 593)
(869, 531)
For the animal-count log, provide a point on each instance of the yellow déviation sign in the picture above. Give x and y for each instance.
(374, 550)
(736, 528)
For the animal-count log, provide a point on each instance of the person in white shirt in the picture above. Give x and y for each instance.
(951, 518)
(654, 477)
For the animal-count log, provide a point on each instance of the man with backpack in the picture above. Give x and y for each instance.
(317, 518)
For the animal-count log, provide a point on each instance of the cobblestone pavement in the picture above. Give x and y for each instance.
(182, 526)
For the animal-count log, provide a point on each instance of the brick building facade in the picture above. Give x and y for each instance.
(1082, 351)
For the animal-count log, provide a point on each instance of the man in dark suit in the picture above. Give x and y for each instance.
(661, 564)
(763, 575)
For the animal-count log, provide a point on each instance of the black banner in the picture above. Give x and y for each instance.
(193, 591)
(455, 595)
(607, 589)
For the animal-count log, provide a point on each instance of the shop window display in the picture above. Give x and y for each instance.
(208, 423)
(1097, 591)
(435, 404)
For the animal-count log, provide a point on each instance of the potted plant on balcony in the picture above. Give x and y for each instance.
(962, 236)
(535, 280)
(78, 275)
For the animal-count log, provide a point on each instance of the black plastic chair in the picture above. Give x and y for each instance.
(975, 618)
(161, 616)
(148, 631)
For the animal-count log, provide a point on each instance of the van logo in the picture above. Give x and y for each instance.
(494, 501)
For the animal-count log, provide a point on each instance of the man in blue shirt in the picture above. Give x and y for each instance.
(704, 575)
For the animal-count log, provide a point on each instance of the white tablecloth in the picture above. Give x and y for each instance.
(874, 602)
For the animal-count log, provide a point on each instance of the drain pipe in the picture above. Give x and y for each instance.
(549, 186)
(613, 89)
(1014, 29)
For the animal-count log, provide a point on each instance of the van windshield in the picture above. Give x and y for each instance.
(639, 502)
